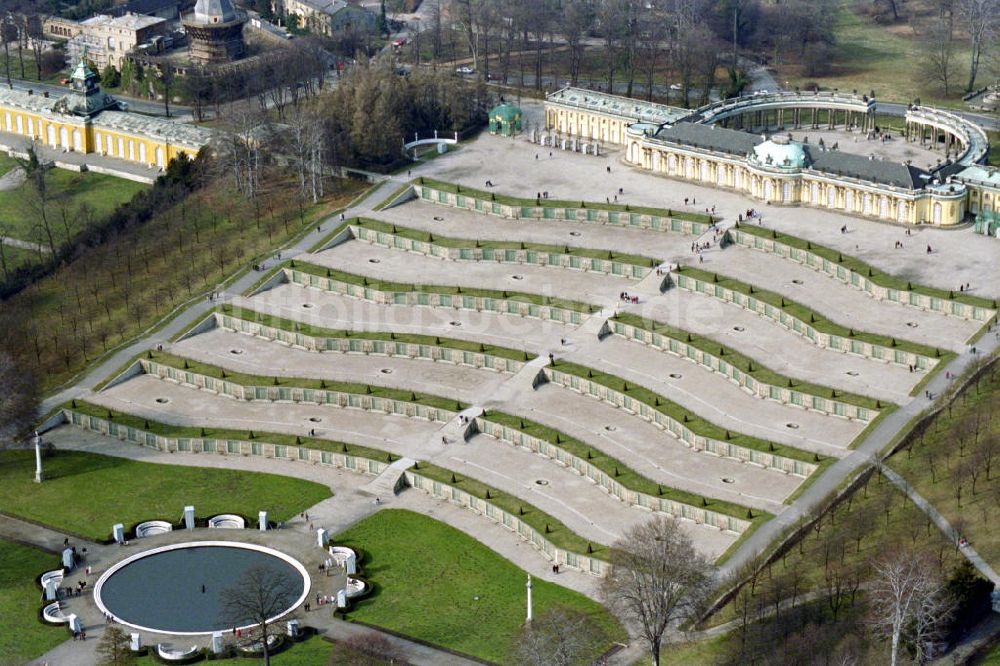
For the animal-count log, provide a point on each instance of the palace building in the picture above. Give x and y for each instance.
(745, 145)
(88, 120)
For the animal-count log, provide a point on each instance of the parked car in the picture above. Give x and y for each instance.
(399, 41)
(465, 69)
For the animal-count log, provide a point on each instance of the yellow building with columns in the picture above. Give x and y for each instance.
(87, 120)
(713, 146)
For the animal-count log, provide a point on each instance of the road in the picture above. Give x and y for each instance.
(135, 104)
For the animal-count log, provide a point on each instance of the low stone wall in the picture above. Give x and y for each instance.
(593, 212)
(232, 447)
(819, 338)
(631, 497)
(859, 281)
(454, 301)
(357, 344)
(675, 427)
(503, 256)
(238, 447)
(369, 403)
(578, 561)
(782, 394)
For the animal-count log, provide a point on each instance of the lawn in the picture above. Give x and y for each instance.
(886, 59)
(83, 492)
(71, 194)
(438, 585)
(22, 636)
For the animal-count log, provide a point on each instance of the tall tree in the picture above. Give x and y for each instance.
(561, 636)
(577, 20)
(263, 594)
(656, 578)
(980, 19)
(114, 649)
(908, 601)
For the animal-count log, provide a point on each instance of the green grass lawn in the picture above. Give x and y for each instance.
(22, 636)
(68, 191)
(85, 493)
(428, 576)
(886, 59)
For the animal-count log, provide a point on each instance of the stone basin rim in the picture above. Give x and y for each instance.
(307, 581)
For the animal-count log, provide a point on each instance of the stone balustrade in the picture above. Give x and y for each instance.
(693, 440)
(821, 339)
(713, 363)
(860, 281)
(578, 561)
(432, 299)
(503, 256)
(592, 212)
(358, 344)
(318, 396)
(343, 460)
(581, 466)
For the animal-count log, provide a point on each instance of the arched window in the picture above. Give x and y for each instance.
(831, 197)
(937, 213)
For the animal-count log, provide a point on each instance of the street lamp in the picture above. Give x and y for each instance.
(37, 441)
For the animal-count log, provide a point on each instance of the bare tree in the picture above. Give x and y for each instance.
(114, 648)
(656, 578)
(367, 649)
(18, 399)
(980, 19)
(261, 596)
(908, 601)
(939, 54)
(574, 26)
(560, 636)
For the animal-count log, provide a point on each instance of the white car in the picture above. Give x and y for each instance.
(465, 69)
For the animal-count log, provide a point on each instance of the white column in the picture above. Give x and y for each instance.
(529, 599)
(189, 517)
(262, 521)
(37, 440)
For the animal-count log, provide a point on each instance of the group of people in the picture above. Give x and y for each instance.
(625, 296)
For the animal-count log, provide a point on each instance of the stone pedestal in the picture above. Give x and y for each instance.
(118, 533)
(189, 517)
(341, 599)
(322, 537)
(217, 642)
(351, 565)
(67, 558)
(51, 590)
(262, 521)
(74, 623)
(136, 643)
(292, 627)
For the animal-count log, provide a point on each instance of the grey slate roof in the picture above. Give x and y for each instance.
(896, 174)
(709, 137)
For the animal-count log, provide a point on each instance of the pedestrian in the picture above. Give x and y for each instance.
(609, 169)
(307, 606)
(341, 217)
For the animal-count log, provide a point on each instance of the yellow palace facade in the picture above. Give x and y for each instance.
(712, 146)
(87, 120)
